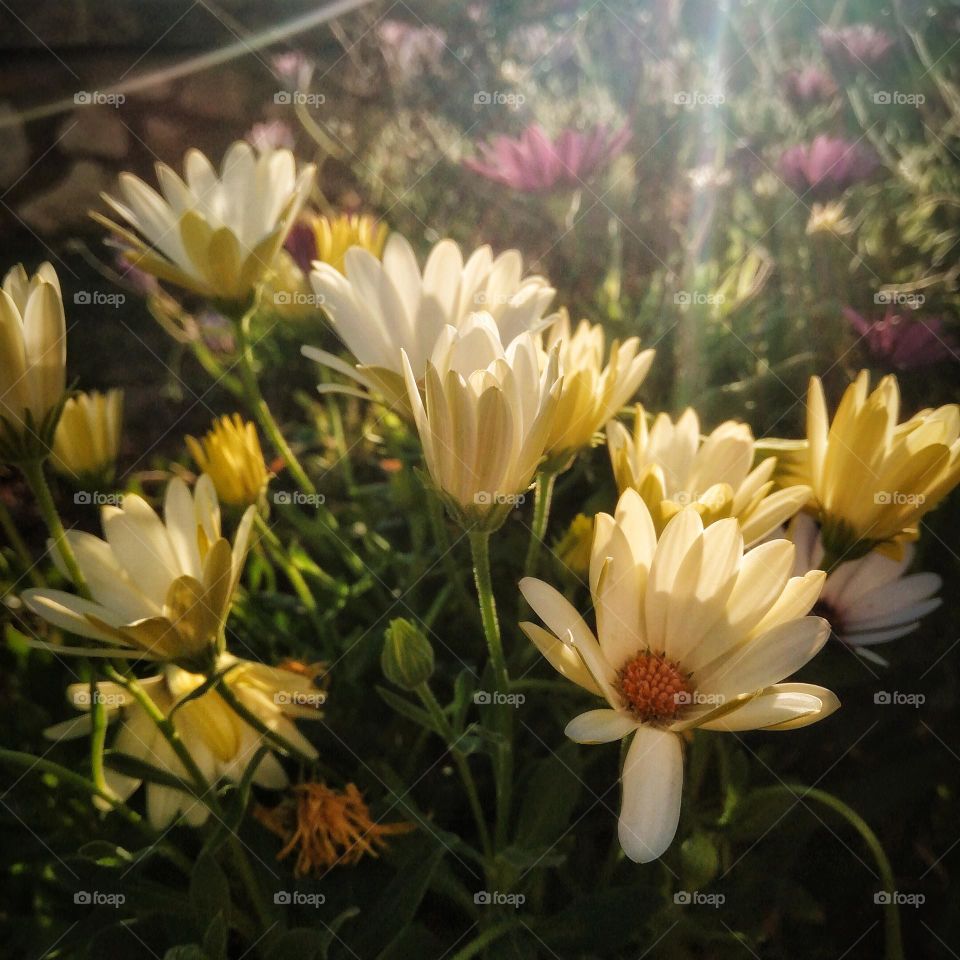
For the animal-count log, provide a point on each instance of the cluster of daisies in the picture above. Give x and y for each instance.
(722, 570)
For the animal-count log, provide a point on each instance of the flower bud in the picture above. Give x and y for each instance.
(407, 657)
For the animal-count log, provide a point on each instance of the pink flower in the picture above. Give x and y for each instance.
(827, 165)
(904, 342)
(410, 50)
(810, 84)
(271, 135)
(857, 45)
(535, 164)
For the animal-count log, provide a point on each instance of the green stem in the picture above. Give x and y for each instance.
(543, 495)
(441, 536)
(480, 548)
(463, 767)
(29, 762)
(261, 411)
(475, 947)
(894, 940)
(36, 478)
(19, 546)
(206, 358)
(299, 585)
(98, 735)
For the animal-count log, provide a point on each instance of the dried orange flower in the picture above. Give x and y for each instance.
(327, 827)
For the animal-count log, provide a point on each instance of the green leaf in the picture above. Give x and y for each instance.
(235, 799)
(106, 854)
(409, 710)
(550, 797)
(386, 919)
(209, 890)
(300, 943)
(215, 938)
(187, 951)
(759, 813)
(462, 698)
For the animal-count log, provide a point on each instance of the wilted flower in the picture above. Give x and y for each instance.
(230, 455)
(594, 387)
(214, 235)
(161, 588)
(810, 84)
(484, 418)
(691, 632)
(335, 236)
(904, 342)
(826, 165)
(857, 45)
(33, 357)
(874, 479)
(219, 741)
(88, 436)
(671, 467)
(409, 311)
(326, 827)
(866, 601)
(534, 163)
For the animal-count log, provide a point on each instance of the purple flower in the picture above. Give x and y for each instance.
(857, 45)
(827, 165)
(533, 163)
(271, 135)
(809, 84)
(293, 68)
(904, 342)
(301, 244)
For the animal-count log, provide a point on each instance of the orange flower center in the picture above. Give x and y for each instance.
(654, 688)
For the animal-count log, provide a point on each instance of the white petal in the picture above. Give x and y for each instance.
(652, 786)
(600, 726)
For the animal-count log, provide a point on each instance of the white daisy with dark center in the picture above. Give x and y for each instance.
(691, 632)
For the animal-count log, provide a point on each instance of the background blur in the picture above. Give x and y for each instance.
(775, 192)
